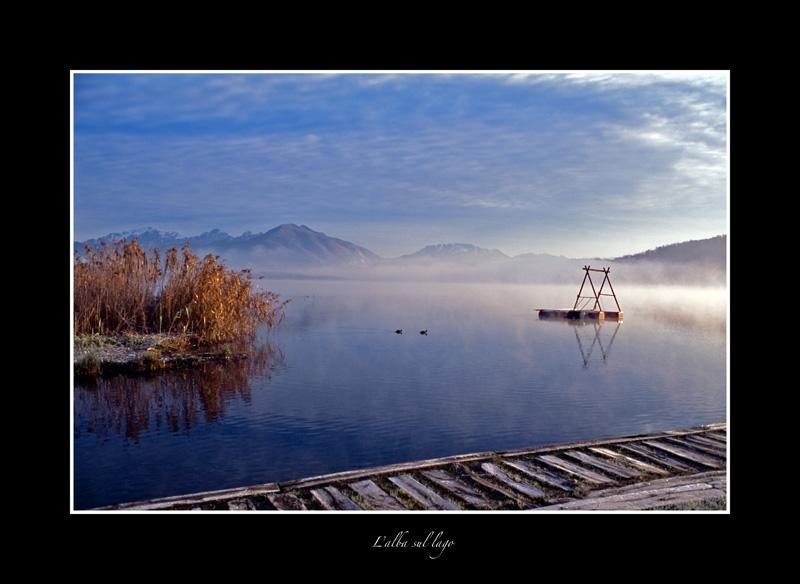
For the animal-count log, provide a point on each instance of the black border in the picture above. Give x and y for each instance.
(480, 537)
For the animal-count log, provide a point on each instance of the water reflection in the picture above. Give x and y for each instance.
(129, 406)
(597, 341)
(353, 394)
(590, 338)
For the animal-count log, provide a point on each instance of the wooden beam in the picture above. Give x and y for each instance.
(612, 469)
(381, 470)
(648, 468)
(422, 494)
(332, 498)
(539, 474)
(697, 458)
(509, 494)
(241, 505)
(568, 467)
(375, 497)
(472, 497)
(525, 488)
(704, 448)
(698, 439)
(286, 502)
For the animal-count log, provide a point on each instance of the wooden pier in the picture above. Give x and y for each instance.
(666, 470)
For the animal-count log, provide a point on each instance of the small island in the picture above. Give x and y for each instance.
(137, 311)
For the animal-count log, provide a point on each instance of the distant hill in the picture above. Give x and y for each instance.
(455, 252)
(697, 251)
(297, 245)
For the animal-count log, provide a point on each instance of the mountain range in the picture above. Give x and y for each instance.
(300, 249)
(286, 245)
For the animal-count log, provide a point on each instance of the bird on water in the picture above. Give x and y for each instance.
(399, 332)
(425, 332)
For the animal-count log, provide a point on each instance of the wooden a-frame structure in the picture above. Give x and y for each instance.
(597, 293)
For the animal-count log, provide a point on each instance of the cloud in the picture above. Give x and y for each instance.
(522, 159)
(628, 79)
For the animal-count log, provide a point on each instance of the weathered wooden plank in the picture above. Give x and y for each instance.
(286, 502)
(525, 488)
(719, 446)
(716, 436)
(365, 473)
(610, 468)
(539, 474)
(711, 450)
(472, 497)
(559, 447)
(508, 494)
(375, 497)
(198, 498)
(658, 457)
(643, 501)
(568, 467)
(643, 466)
(653, 494)
(715, 478)
(697, 458)
(241, 505)
(422, 494)
(333, 499)
(324, 498)
(721, 426)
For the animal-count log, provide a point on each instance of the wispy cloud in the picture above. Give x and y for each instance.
(519, 162)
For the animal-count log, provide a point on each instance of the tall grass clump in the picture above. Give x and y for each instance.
(121, 289)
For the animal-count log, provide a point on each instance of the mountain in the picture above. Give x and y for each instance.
(149, 237)
(287, 245)
(296, 250)
(695, 252)
(296, 245)
(455, 252)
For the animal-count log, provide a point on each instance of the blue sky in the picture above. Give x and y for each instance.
(575, 164)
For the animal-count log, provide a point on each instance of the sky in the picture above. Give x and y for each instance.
(582, 164)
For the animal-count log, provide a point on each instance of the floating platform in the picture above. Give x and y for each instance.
(677, 469)
(571, 314)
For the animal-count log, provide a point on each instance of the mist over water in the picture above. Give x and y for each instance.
(339, 390)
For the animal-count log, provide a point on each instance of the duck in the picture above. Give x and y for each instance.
(399, 332)
(425, 332)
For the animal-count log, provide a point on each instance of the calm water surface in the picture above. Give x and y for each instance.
(334, 388)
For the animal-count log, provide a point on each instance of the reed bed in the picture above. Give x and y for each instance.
(121, 289)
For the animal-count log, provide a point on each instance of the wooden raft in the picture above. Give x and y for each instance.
(654, 471)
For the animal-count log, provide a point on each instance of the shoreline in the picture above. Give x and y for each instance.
(101, 355)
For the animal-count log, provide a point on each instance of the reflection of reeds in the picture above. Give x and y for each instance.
(122, 289)
(129, 405)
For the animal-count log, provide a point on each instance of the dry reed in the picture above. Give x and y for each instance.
(121, 289)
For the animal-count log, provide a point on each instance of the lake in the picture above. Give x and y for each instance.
(334, 388)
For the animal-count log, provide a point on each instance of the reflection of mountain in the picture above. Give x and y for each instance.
(130, 405)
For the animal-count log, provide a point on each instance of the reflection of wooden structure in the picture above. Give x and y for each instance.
(596, 311)
(597, 341)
